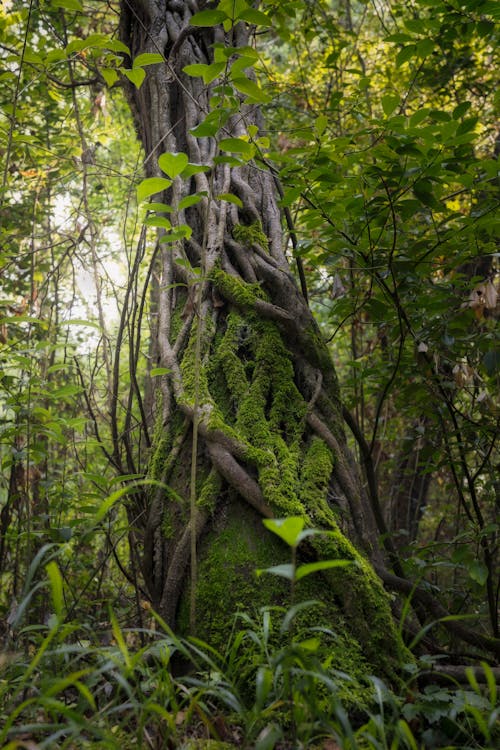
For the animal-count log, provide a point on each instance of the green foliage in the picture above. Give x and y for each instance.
(271, 684)
(382, 127)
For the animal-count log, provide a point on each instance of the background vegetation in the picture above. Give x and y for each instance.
(382, 126)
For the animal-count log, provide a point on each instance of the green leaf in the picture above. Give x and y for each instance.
(173, 163)
(136, 76)
(192, 169)
(230, 198)
(207, 128)
(320, 124)
(389, 103)
(208, 72)
(406, 54)
(80, 322)
(288, 529)
(284, 571)
(116, 46)
(151, 186)
(161, 207)
(425, 48)
(239, 66)
(56, 587)
(307, 569)
(255, 17)
(148, 58)
(478, 572)
(157, 371)
(460, 110)
(179, 233)
(231, 160)
(237, 146)
(196, 70)
(110, 75)
(251, 89)
(189, 200)
(419, 116)
(158, 221)
(268, 737)
(32, 57)
(67, 4)
(208, 18)
(120, 640)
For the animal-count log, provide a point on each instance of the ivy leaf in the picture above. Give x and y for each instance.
(148, 58)
(110, 75)
(237, 146)
(230, 198)
(189, 200)
(208, 18)
(160, 207)
(192, 169)
(208, 72)
(173, 163)
(151, 186)
(158, 221)
(136, 76)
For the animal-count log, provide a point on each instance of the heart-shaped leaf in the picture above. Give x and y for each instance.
(173, 164)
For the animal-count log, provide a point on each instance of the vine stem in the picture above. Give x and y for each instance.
(194, 453)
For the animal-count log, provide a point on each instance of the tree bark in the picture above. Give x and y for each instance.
(249, 379)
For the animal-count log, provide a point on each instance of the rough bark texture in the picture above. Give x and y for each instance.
(271, 441)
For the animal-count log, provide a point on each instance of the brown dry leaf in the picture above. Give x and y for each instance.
(330, 745)
(180, 718)
(490, 295)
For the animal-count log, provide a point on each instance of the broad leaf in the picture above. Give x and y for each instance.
(173, 163)
(288, 529)
(230, 198)
(136, 76)
(67, 4)
(148, 58)
(151, 186)
(307, 569)
(208, 18)
(238, 146)
(255, 17)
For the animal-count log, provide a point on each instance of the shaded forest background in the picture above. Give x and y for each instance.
(381, 129)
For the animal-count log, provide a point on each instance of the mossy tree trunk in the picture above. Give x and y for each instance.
(247, 364)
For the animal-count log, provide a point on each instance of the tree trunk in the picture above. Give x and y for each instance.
(249, 379)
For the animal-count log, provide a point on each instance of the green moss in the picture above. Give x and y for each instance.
(316, 471)
(249, 383)
(226, 360)
(207, 496)
(176, 319)
(235, 290)
(191, 368)
(252, 234)
(227, 584)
